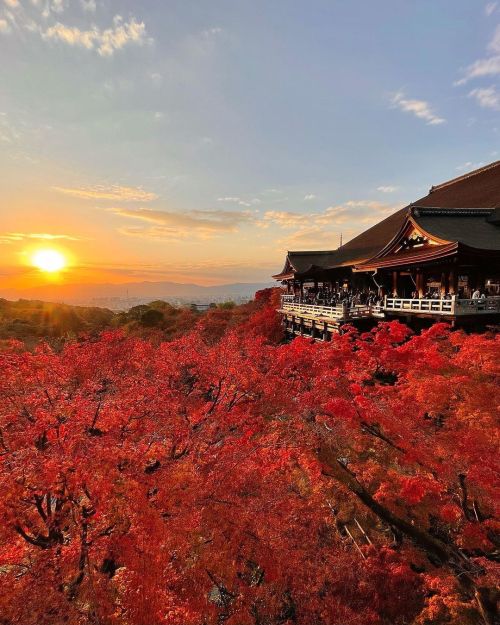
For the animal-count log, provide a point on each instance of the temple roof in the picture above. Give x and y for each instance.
(479, 189)
(472, 227)
(464, 210)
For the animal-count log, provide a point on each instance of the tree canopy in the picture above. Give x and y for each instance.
(227, 477)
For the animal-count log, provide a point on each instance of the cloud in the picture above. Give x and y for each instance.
(114, 192)
(494, 44)
(487, 97)
(156, 78)
(173, 225)
(12, 237)
(237, 200)
(489, 66)
(212, 32)
(387, 189)
(4, 26)
(490, 8)
(57, 6)
(469, 166)
(361, 211)
(105, 42)
(310, 196)
(419, 108)
(89, 5)
(481, 68)
(314, 238)
(12, 3)
(321, 230)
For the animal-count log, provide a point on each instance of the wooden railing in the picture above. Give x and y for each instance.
(331, 312)
(453, 307)
(327, 312)
(485, 305)
(398, 304)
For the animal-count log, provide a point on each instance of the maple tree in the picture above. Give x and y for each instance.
(228, 477)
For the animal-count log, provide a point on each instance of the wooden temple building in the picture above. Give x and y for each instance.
(438, 258)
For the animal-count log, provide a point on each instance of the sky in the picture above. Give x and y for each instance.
(198, 141)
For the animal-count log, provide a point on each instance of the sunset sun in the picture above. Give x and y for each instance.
(49, 261)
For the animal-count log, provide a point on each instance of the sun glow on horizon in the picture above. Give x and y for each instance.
(49, 260)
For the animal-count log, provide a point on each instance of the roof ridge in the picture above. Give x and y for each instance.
(452, 209)
(464, 176)
(309, 252)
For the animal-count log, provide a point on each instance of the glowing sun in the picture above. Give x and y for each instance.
(49, 260)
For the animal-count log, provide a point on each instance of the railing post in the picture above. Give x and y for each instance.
(453, 298)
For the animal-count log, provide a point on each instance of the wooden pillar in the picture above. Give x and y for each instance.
(395, 276)
(442, 288)
(420, 283)
(453, 281)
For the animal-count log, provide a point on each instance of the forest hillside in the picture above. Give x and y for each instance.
(201, 471)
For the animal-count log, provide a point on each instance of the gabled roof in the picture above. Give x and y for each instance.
(465, 210)
(479, 189)
(472, 227)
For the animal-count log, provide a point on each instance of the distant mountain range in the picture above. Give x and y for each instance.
(135, 292)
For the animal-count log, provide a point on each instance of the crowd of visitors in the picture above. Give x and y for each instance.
(350, 298)
(342, 297)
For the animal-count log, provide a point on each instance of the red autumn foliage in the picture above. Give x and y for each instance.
(228, 477)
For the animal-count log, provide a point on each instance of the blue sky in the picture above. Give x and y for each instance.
(200, 140)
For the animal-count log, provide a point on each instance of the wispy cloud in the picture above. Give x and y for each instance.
(387, 188)
(469, 166)
(106, 41)
(488, 66)
(490, 8)
(419, 108)
(487, 97)
(360, 211)
(321, 230)
(239, 201)
(314, 238)
(173, 225)
(37, 18)
(483, 67)
(113, 192)
(89, 5)
(309, 196)
(13, 237)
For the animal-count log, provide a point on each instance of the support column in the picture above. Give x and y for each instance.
(325, 331)
(442, 288)
(453, 280)
(395, 276)
(420, 283)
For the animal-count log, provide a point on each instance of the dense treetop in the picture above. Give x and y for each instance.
(226, 477)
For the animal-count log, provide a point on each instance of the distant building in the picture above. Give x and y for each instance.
(444, 247)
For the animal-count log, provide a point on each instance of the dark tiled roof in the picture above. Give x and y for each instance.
(471, 227)
(479, 188)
